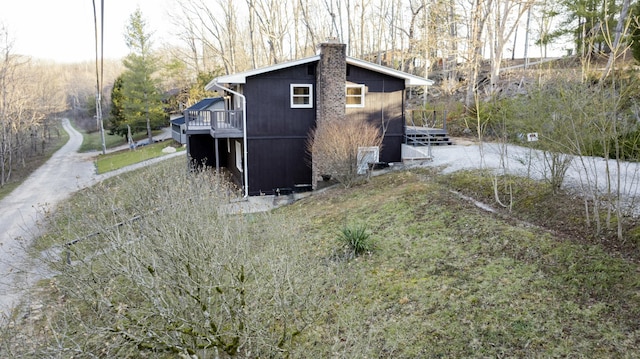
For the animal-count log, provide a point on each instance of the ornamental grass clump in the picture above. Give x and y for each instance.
(357, 240)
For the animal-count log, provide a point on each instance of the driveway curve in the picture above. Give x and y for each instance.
(66, 172)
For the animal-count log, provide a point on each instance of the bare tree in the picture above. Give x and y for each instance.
(215, 29)
(480, 12)
(273, 22)
(415, 8)
(505, 16)
(621, 29)
(28, 94)
(7, 75)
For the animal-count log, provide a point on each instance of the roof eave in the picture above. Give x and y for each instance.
(409, 80)
(241, 77)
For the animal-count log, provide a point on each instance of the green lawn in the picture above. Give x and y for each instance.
(93, 141)
(116, 160)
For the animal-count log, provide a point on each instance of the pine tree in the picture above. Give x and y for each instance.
(142, 101)
(117, 118)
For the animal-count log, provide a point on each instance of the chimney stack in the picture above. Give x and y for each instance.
(331, 77)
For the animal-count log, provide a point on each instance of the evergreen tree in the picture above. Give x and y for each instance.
(142, 100)
(197, 90)
(117, 119)
(191, 92)
(588, 20)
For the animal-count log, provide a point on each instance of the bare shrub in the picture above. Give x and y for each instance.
(334, 148)
(185, 278)
(557, 165)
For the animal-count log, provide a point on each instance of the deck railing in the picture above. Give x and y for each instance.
(216, 119)
(429, 119)
(197, 119)
(226, 119)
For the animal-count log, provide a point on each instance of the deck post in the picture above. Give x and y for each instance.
(217, 155)
(444, 120)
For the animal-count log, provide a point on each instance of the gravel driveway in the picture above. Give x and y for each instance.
(583, 173)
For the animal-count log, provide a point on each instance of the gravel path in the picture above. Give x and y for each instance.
(65, 172)
(583, 173)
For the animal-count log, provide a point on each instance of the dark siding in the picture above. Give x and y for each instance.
(383, 103)
(276, 133)
(201, 150)
(277, 164)
(229, 155)
(223, 154)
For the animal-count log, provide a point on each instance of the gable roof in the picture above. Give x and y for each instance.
(241, 77)
(178, 120)
(204, 103)
(409, 79)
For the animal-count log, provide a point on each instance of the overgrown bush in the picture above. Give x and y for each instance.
(179, 275)
(334, 147)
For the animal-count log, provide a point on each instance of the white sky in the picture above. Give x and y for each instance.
(63, 30)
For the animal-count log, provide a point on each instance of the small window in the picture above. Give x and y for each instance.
(355, 95)
(301, 96)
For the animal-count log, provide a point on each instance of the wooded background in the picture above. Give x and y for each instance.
(448, 40)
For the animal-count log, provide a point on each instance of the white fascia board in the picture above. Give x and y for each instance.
(241, 77)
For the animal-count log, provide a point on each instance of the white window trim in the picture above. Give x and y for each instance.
(362, 95)
(292, 96)
(239, 156)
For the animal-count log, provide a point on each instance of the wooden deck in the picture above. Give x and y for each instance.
(217, 123)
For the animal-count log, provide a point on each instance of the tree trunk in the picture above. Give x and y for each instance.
(479, 17)
(622, 25)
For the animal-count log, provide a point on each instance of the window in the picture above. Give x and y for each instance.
(301, 96)
(239, 156)
(355, 95)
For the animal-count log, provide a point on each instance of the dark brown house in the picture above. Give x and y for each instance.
(260, 137)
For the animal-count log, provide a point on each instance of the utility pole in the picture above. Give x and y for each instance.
(99, 70)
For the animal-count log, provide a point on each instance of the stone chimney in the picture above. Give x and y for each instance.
(331, 77)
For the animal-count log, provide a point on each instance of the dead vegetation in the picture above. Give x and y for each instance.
(446, 279)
